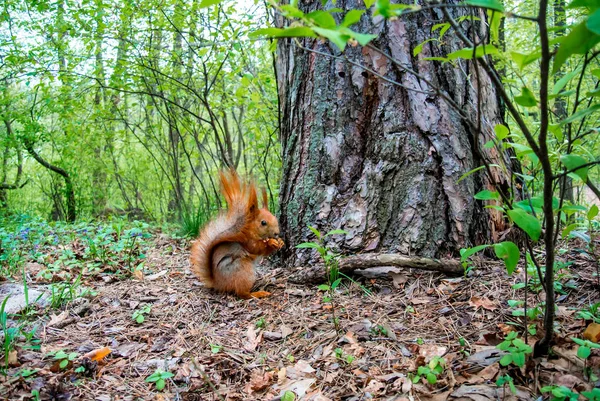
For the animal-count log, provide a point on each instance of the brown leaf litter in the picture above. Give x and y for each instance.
(215, 349)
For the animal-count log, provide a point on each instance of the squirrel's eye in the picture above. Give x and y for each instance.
(264, 223)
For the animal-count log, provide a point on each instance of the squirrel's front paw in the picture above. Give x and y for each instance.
(276, 243)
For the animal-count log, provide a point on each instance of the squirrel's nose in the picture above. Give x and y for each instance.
(276, 235)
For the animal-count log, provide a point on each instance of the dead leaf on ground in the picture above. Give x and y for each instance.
(56, 319)
(428, 351)
(138, 275)
(592, 332)
(285, 330)
(299, 387)
(253, 339)
(13, 359)
(482, 302)
(152, 277)
(399, 279)
(259, 381)
(98, 354)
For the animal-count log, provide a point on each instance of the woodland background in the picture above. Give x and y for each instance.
(118, 115)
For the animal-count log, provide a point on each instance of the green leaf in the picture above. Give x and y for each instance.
(208, 3)
(501, 131)
(431, 378)
(322, 18)
(526, 222)
(291, 11)
(467, 53)
(487, 195)
(568, 230)
(444, 27)
(580, 114)
(560, 84)
(63, 364)
(336, 283)
(288, 396)
(476, 169)
(323, 287)
(571, 162)
(308, 245)
(591, 4)
(160, 384)
(593, 212)
(140, 319)
(524, 60)
(336, 232)
(494, 18)
(491, 4)
(293, 32)
(579, 41)
(583, 352)
(593, 22)
(419, 48)
(362, 38)
(466, 252)
(519, 359)
(336, 37)
(526, 98)
(352, 17)
(509, 252)
(506, 360)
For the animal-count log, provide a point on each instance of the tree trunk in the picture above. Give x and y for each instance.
(69, 190)
(376, 160)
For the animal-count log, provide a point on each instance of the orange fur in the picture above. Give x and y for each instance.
(224, 254)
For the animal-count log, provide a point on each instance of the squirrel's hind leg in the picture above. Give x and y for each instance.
(233, 271)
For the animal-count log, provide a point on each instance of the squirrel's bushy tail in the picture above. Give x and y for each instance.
(242, 204)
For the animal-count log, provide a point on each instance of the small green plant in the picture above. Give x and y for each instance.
(331, 260)
(431, 371)
(339, 354)
(10, 334)
(593, 395)
(516, 350)
(379, 330)
(288, 396)
(139, 315)
(585, 347)
(463, 347)
(63, 358)
(591, 313)
(584, 351)
(560, 393)
(158, 378)
(215, 348)
(261, 323)
(504, 380)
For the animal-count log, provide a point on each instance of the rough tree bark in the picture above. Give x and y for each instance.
(376, 160)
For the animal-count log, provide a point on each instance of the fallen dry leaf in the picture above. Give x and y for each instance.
(98, 354)
(430, 350)
(253, 339)
(484, 303)
(154, 276)
(56, 319)
(138, 275)
(259, 381)
(592, 332)
(13, 359)
(285, 330)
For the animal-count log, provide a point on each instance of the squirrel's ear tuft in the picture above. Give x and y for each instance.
(265, 199)
(252, 199)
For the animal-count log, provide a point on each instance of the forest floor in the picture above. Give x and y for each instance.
(217, 347)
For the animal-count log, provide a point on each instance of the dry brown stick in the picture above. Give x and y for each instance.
(316, 273)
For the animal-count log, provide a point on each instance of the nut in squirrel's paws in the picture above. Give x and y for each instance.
(275, 242)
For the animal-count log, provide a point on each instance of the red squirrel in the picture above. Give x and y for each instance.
(224, 254)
